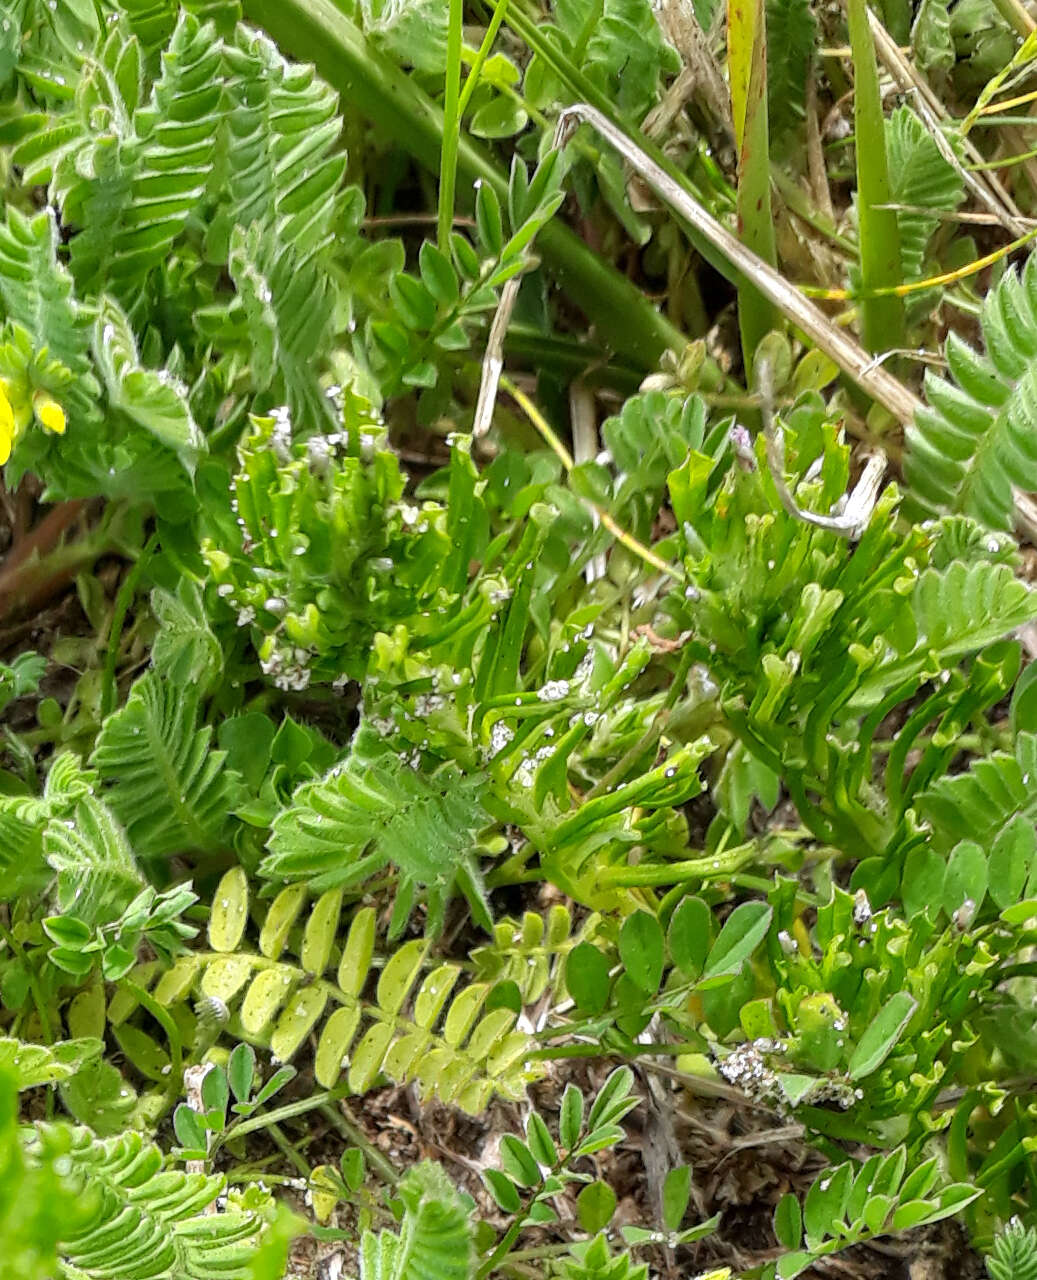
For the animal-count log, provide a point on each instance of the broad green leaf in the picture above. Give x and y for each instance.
(689, 936)
(241, 1070)
(743, 931)
(519, 1162)
(1011, 859)
(966, 879)
(883, 1032)
(587, 978)
(570, 1119)
(676, 1196)
(788, 1221)
(641, 950)
(595, 1206)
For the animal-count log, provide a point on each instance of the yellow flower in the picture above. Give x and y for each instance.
(8, 430)
(15, 413)
(49, 413)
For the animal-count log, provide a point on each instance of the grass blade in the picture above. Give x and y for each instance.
(747, 67)
(882, 317)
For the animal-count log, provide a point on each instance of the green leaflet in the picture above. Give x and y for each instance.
(373, 811)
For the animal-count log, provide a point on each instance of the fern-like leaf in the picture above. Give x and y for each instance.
(922, 179)
(23, 820)
(97, 874)
(1014, 1254)
(285, 303)
(152, 21)
(435, 1237)
(374, 811)
(282, 126)
(36, 293)
(170, 789)
(531, 953)
(955, 611)
(791, 37)
(996, 797)
(978, 437)
(144, 1223)
(136, 168)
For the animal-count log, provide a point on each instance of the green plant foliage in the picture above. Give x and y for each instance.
(972, 443)
(139, 1221)
(36, 1204)
(322, 550)
(922, 179)
(530, 953)
(372, 811)
(791, 40)
(30, 1065)
(856, 1202)
(414, 1028)
(436, 692)
(919, 621)
(931, 40)
(168, 786)
(1014, 1254)
(435, 1236)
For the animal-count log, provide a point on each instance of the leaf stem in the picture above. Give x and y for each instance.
(168, 1025)
(472, 79)
(565, 457)
(122, 604)
(290, 1109)
(451, 126)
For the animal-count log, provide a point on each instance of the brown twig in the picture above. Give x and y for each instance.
(24, 559)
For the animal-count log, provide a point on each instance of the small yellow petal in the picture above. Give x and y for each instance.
(50, 414)
(17, 402)
(7, 427)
